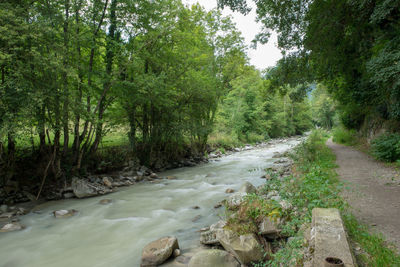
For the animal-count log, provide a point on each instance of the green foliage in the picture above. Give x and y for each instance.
(343, 136)
(250, 213)
(74, 72)
(386, 147)
(254, 111)
(352, 47)
(323, 107)
(219, 139)
(315, 184)
(241, 112)
(377, 251)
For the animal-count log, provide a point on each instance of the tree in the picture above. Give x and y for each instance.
(349, 46)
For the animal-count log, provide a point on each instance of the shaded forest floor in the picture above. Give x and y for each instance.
(372, 190)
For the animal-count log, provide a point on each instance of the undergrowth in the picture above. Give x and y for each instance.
(386, 147)
(344, 136)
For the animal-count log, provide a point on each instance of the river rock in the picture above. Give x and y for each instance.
(235, 200)
(272, 193)
(277, 155)
(64, 213)
(213, 258)
(158, 251)
(82, 188)
(196, 218)
(229, 191)
(4, 208)
(208, 236)
(68, 195)
(245, 248)
(171, 177)
(105, 201)
(145, 170)
(138, 178)
(7, 215)
(10, 227)
(176, 253)
(107, 182)
(248, 188)
(153, 175)
(269, 227)
(218, 205)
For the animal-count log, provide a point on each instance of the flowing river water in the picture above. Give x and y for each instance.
(114, 235)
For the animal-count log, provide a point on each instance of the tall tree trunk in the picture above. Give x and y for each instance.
(87, 133)
(132, 126)
(78, 100)
(10, 157)
(111, 39)
(65, 80)
(56, 140)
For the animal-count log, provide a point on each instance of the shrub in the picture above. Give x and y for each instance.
(219, 139)
(344, 136)
(386, 147)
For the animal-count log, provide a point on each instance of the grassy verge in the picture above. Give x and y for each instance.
(344, 136)
(314, 183)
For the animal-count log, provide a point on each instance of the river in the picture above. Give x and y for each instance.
(114, 234)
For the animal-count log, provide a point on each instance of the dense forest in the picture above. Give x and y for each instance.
(352, 47)
(85, 83)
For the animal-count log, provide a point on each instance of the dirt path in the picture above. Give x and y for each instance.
(372, 189)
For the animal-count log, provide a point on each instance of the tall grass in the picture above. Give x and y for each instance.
(344, 136)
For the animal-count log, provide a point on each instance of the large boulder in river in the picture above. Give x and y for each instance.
(248, 188)
(64, 213)
(82, 188)
(208, 236)
(213, 257)
(246, 248)
(158, 251)
(10, 227)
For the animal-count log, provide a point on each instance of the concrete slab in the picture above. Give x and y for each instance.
(329, 238)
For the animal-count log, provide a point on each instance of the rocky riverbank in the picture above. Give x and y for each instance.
(100, 184)
(250, 232)
(103, 184)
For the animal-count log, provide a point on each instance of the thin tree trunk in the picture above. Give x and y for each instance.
(78, 100)
(132, 125)
(65, 80)
(109, 61)
(91, 59)
(10, 157)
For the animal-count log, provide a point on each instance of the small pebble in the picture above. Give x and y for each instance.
(177, 252)
(219, 205)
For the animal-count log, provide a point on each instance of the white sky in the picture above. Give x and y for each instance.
(262, 57)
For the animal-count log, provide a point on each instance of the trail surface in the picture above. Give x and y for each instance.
(372, 190)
